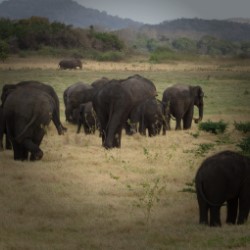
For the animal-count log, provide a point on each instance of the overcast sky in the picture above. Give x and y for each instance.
(156, 11)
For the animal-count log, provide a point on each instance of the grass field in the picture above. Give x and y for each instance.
(81, 196)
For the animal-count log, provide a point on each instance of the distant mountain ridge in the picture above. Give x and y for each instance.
(195, 28)
(72, 13)
(65, 11)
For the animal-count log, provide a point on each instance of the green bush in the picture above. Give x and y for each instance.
(244, 145)
(213, 127)
(242, 126)
(111, 56)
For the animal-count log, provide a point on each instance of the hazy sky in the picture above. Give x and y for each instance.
(156, 11)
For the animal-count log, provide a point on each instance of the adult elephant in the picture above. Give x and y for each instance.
(70, 64)
(224, 177)
(26, 117)
(72, 100)
(113, 101)
(8, 88)
(151, 115)
(87, 118)
(181, 100)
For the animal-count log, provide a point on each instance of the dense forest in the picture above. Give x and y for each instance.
(39, 34)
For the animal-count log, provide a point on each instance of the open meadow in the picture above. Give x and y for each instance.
(81, 196)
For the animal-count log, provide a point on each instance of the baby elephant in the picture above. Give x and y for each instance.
(224, 177)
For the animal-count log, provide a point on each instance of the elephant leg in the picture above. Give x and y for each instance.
(244, 206)
(203, 210)
(8, 144)
(142, 128)
(187, 119)
(36, 152)
(232, 209)
(178, 123)
(117, 139)
(215, 216)
(18, 151)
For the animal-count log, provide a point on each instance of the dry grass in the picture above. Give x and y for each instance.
(80, 196)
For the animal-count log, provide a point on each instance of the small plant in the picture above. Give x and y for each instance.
(190, 187)
(213, 127)
(150, 157)
(242, 126)
(244, 145)
(201, 150)
(148, 197)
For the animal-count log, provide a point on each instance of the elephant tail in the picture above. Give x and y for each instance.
(200, 190)
(19, 137)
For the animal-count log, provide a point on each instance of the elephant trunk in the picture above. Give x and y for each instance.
(197, 120)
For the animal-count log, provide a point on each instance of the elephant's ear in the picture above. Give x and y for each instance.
(200, 92)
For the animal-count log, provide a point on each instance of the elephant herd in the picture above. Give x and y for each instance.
(111, 105)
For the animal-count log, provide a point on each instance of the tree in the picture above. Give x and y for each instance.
(4, 50)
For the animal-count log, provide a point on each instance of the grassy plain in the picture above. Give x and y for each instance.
(80, 196)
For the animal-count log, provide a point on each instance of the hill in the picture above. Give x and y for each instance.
(196, 28)
(65, 11)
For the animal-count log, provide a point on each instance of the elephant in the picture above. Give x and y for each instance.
(224, 177)
(113, 101)
(181, 100)
(71, 100)
(8, 88)
(27, 117)
(87, 118)
(151, 115)
(70, 64)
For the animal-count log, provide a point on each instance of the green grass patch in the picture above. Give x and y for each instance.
(213, 127)
(242, 126)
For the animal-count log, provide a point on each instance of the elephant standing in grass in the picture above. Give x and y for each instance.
(26, 117)
(181, 100)
(87, 118)
(151, 115)
(113, 101)
(70, 64)
(224, 177)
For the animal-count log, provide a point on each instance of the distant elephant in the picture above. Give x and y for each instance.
(224, 177)
(72, 100)
(8, 88)
(151, 115)
(181, 100)
(70, 64)
(26, 117)
(113, 101)
(87, 118)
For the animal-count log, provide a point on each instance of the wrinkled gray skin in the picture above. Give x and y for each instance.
(70, 64)
(87, 118)
(113, 101)
(151, 115)
(26, 120)
(8, 88)
(72, 100)
(181, 100)
(224, 177)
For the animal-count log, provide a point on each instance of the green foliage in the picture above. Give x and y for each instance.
(37, 32)
(201, 150)
(111, 56)
(162, 54)
(190, 187)
(213, 127)
(242, 126)
(184, 44)
(148, 197)
(244, 145)
(4, 50)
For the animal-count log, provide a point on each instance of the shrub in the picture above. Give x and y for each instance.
(243, 127)
(213, 127)
(244, 145)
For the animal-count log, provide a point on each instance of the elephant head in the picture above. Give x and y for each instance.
(198, 95)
